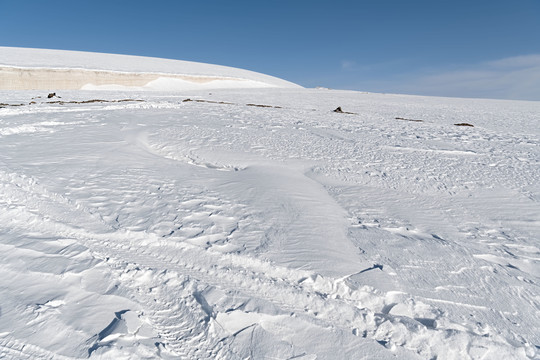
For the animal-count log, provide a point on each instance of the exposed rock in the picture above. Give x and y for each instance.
(400, 118)
(339, 111)
(92, 101)
(208, 101)
(264, 106)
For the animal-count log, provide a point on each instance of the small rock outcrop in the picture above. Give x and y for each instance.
(340, 111)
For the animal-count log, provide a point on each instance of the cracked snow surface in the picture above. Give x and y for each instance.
(260, 224)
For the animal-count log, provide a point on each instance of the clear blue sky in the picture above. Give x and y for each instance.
(484, 48)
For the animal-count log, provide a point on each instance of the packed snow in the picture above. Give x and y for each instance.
(258, 223)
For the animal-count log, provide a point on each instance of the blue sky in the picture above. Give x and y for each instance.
(474, 48)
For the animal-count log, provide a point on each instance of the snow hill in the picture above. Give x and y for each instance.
(259, 223)
(27, 69)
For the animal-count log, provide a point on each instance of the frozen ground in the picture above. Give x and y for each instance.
(219, 228)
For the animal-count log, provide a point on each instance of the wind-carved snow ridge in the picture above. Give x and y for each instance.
(218, 229)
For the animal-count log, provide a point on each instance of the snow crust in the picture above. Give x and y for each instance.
(258, 223)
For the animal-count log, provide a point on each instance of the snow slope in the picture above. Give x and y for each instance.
(28, 69)
(252, 224)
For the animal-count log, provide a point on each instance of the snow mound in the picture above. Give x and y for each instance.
(39, 69)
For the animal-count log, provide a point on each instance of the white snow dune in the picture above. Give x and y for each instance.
(38, 69)
(260, 224)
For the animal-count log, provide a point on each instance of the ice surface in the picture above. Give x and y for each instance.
(28, 69)
(261, 224)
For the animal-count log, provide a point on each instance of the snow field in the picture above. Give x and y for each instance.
(179, 229)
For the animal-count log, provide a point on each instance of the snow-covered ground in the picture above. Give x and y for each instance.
(260, 224)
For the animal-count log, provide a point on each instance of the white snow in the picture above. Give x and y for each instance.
(258, 223)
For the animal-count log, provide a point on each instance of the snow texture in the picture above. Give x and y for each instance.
(259, 223)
